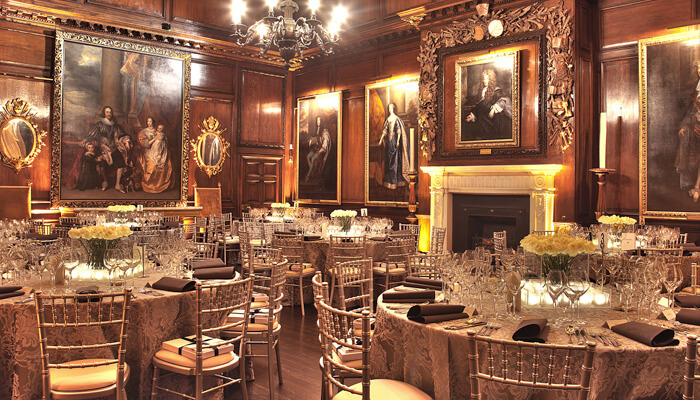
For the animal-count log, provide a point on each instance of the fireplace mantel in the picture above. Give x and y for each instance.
(535, 180)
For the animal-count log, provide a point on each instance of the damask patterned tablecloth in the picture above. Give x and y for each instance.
(435, 360)
(152, 320)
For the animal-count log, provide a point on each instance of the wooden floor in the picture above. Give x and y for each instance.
(300, 355)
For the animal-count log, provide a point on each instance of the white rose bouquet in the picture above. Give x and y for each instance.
(97, 240)
(557, 251)
(121, 209)
(344, 217)
(616, 223)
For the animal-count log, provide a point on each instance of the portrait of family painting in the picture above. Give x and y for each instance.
(121, 124)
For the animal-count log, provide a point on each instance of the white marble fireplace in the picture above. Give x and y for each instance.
(534, 180)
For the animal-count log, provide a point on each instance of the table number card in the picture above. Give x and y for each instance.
(629, 240)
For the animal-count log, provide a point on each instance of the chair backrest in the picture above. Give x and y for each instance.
(544, 233)
(269, 230)
(290, 246)
(346, 248)
(205, 250)
(215, 301)
(356, 274)
(273, 286)
(201, 229)
(336, 328)
(69, 221)
(16, 202)
(413, 228)
(499, 241)
(690, 377)
(209, 199)
(263, 257)
(437, 240)
(425, 265)
(82, 312)
(399, 247)
(320, 288)
(504, 363)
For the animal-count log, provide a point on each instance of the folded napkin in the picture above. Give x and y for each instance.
(9, 289)
(7, 295)
(40, 237)
(312, 238)
(688, 316)
(687, 301)
(413, 281)
(208, 263)
(214, 273)
(429, 313)
(85, 290)
(651, 335)
(380, 238)
(171, 284)
(165, 225)
(417, 296)
(532, 330)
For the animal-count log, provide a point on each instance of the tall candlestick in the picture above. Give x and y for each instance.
(411, 149)
(603, 138)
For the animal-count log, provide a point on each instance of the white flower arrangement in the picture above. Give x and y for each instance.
(343, 214)
(280, 205)
(119, 208)
(100, 232)
(558, 250)
(616, 220)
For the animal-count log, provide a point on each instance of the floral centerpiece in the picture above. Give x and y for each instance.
(279, 209)
(615, 226)
(344, 217)
(120, 212)
(97, 240)
(557, 251)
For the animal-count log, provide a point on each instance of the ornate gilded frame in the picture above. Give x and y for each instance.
(327, 101)
(182, 58)
(210, 126)
(665, 130)
(19, 110)
(555, 21)
(514, 64)
(388, 84)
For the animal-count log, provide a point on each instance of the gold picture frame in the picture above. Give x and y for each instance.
(386, 181)
(121, 108)
(669, 75)
(487, 101)
(20, 138)
(319, 148)
(210, 148)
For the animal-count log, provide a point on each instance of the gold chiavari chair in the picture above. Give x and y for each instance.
(92, 376)
(690, 366)
(320, 289)
(425, 265)
(201, 226)
(543, 233)
(269, 230)
(214, 304)
(504, 360)
(437, 240)
(694, 287)
(393, 270)
(356, 275)
(261, 259)
(337, 332)
(220, 232)
(292, 249)
(413, 228)
(267, 332)
(343, 248)
(69, 221)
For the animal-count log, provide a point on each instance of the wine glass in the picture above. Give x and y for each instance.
(672, 278)
(514, 283)
(113, 259)
(53, 261)
(555, 283)
(578, 284)
(71, 259)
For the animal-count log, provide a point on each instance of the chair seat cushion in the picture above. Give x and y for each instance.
(256, 242)
(392, 271)
(305, 272)
(385, 389)
(85, 378)
(182, 361)
(257, 327)
(334, 271)
(258, 304)
(230, 240)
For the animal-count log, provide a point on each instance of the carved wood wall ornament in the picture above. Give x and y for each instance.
(560, 75)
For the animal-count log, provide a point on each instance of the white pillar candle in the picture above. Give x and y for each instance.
(410, 147)
(603, 137)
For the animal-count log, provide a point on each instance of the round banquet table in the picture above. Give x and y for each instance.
(435, 360)
(153, 319)
(316, 252)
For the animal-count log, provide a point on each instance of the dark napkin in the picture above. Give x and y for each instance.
(687, 301)
(86, 290)
(654, 336)
(165, 225)
(8, 289)
(417, 296)
(413, 281)
(429, 313)
(208, 263)
(40, 237)
(7, 295)
(214, 273)
(381, 238)
(171, 284)
(532, 330)
(312, 238)
(689, 316)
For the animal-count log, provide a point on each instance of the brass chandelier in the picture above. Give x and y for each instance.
(291, 37)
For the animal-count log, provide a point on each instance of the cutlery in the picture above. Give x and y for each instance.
(465, 326)
(494, 328)
(585, 335)
(570, 331)
(578, 335)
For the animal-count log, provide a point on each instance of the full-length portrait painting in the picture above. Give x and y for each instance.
(121, 114)
(391, 123)
(487, 101)
(319, 145)
(670, 126)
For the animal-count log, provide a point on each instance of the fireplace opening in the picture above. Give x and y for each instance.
(476, 217)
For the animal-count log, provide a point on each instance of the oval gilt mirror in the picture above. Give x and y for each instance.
(210, 147)
(20, 140)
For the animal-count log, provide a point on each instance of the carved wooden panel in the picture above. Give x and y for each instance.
(353, 150)
(401, 63)
(393, 6)
(152, 7)
(629, 22)
(355, 74)
(212, 77)
(260, 180)
(25, 48)
(215, 13)
(312, 81)
(261, 111)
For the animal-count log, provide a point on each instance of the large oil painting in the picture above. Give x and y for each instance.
(319, 148)
(670, 126)
(391, 123)
(487, 101)
(121, 116)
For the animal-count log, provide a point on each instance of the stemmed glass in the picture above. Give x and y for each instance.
(578, 284)
(625, 284)
(52, 263)
(672, 278)
(556, 283)
(514, 283)
(71, 259)
(114, 258)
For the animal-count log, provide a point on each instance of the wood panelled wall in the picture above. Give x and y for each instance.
(246, 96)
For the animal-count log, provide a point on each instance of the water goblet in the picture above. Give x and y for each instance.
(556, 283)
